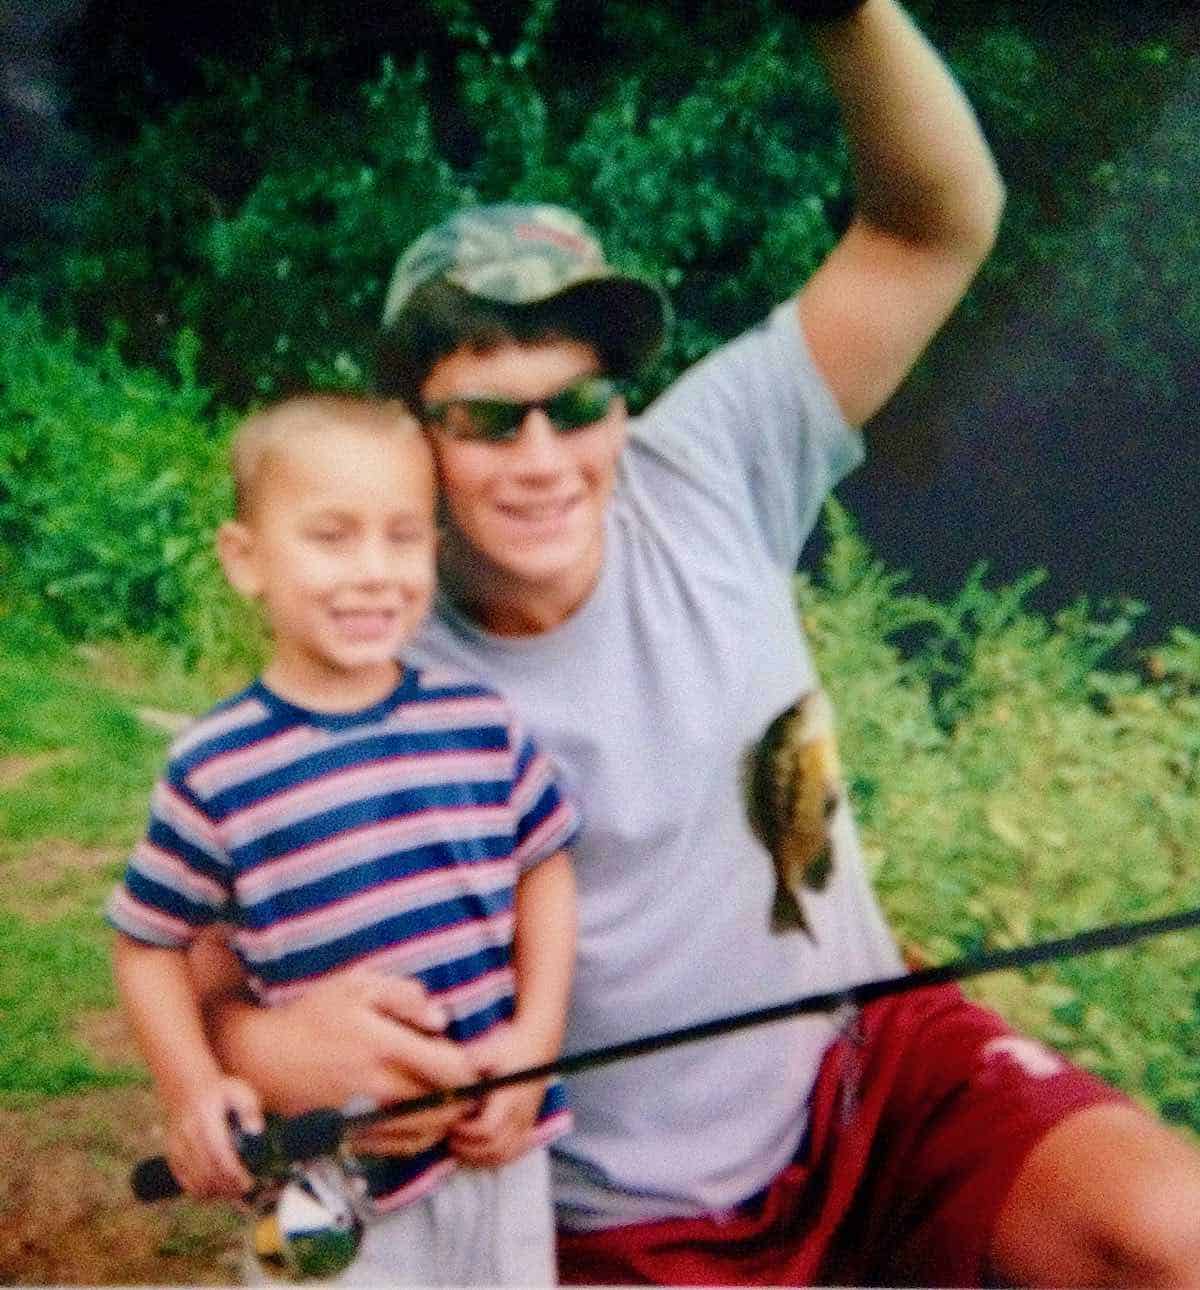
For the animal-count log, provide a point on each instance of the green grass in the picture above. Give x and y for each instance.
(92, 789)
(49, 975)
(65, 825)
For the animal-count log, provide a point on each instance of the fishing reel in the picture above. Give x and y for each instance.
(310, 1197)
(310, 1227)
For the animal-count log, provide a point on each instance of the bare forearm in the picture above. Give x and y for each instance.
(160, 1003)
(247, 1040)
(544, 952)
(357, 1033)
(923, 169)
(929, 204)
(243, 1035)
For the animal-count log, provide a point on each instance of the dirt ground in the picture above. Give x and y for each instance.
(66, 1213)
(67, 1216)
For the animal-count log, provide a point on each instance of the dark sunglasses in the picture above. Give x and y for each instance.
(499, 421)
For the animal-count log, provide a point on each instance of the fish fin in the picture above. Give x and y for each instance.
(786, 912)
(816, 875)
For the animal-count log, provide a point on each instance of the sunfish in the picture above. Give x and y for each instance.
(793, 784)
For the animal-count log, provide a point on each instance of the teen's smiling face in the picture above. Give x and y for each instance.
(338, 547)
(526, 514)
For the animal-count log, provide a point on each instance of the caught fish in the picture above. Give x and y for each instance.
(793, 788)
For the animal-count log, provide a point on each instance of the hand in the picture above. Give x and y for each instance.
(358, 1033)
(409, 1135)
(200, 1146)
(370, 1034)
(499, 1129)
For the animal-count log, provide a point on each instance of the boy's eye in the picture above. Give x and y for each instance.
(325, 535)
(407, 536)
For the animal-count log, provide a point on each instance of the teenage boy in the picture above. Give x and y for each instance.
(629, 583)
(350, 809)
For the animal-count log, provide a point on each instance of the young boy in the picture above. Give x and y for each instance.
(349, 809)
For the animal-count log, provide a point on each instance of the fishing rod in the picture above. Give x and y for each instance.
(321, 1132)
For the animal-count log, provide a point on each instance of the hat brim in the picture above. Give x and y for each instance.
(629, 317)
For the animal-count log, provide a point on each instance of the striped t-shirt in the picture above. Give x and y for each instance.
(391, 837)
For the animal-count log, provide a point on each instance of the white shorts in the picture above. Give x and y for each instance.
(492, 1227)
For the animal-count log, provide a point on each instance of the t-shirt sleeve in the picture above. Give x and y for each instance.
(755, 418)
(547, 820)
(178, 879)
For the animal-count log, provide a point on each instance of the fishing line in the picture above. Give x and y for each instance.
(319, 1132)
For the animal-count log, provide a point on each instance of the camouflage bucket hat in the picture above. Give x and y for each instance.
(525, 254)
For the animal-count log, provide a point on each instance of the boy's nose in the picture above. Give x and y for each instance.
(374, 563)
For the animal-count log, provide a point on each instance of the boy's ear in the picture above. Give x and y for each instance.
(236, 552)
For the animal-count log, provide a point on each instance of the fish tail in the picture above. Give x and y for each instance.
(786, 912)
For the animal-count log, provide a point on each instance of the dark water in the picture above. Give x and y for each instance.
(1094, 479)
(1061, 428)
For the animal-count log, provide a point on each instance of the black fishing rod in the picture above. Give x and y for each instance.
(321, 1132)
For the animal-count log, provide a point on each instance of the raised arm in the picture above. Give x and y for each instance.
(928, 206)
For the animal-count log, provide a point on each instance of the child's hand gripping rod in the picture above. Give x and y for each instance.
(321, 1132)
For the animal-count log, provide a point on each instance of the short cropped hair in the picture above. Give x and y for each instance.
(440, 318)
(263, 434)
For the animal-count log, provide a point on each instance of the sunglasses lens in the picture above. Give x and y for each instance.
(491, 419)
(497, 421)
(582, 404)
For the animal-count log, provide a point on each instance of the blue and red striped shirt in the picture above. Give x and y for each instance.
(392, 837)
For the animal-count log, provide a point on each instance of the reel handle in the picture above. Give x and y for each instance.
(152, 1179)
(300, 1137)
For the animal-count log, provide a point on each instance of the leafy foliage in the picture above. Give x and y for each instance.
(111, 484)
(1023, 792)
(270, 203)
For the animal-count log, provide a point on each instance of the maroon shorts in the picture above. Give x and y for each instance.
(919, 1122)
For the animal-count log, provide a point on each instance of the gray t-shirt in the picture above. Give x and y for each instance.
(648, 697)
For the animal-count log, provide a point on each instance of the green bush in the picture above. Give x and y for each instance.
(1010, 787)
(110, 485)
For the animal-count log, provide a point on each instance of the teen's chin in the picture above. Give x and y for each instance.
(546, 564)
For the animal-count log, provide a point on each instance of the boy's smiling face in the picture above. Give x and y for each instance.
(338, 544)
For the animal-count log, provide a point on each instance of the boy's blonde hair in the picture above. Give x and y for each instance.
(264, 434)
